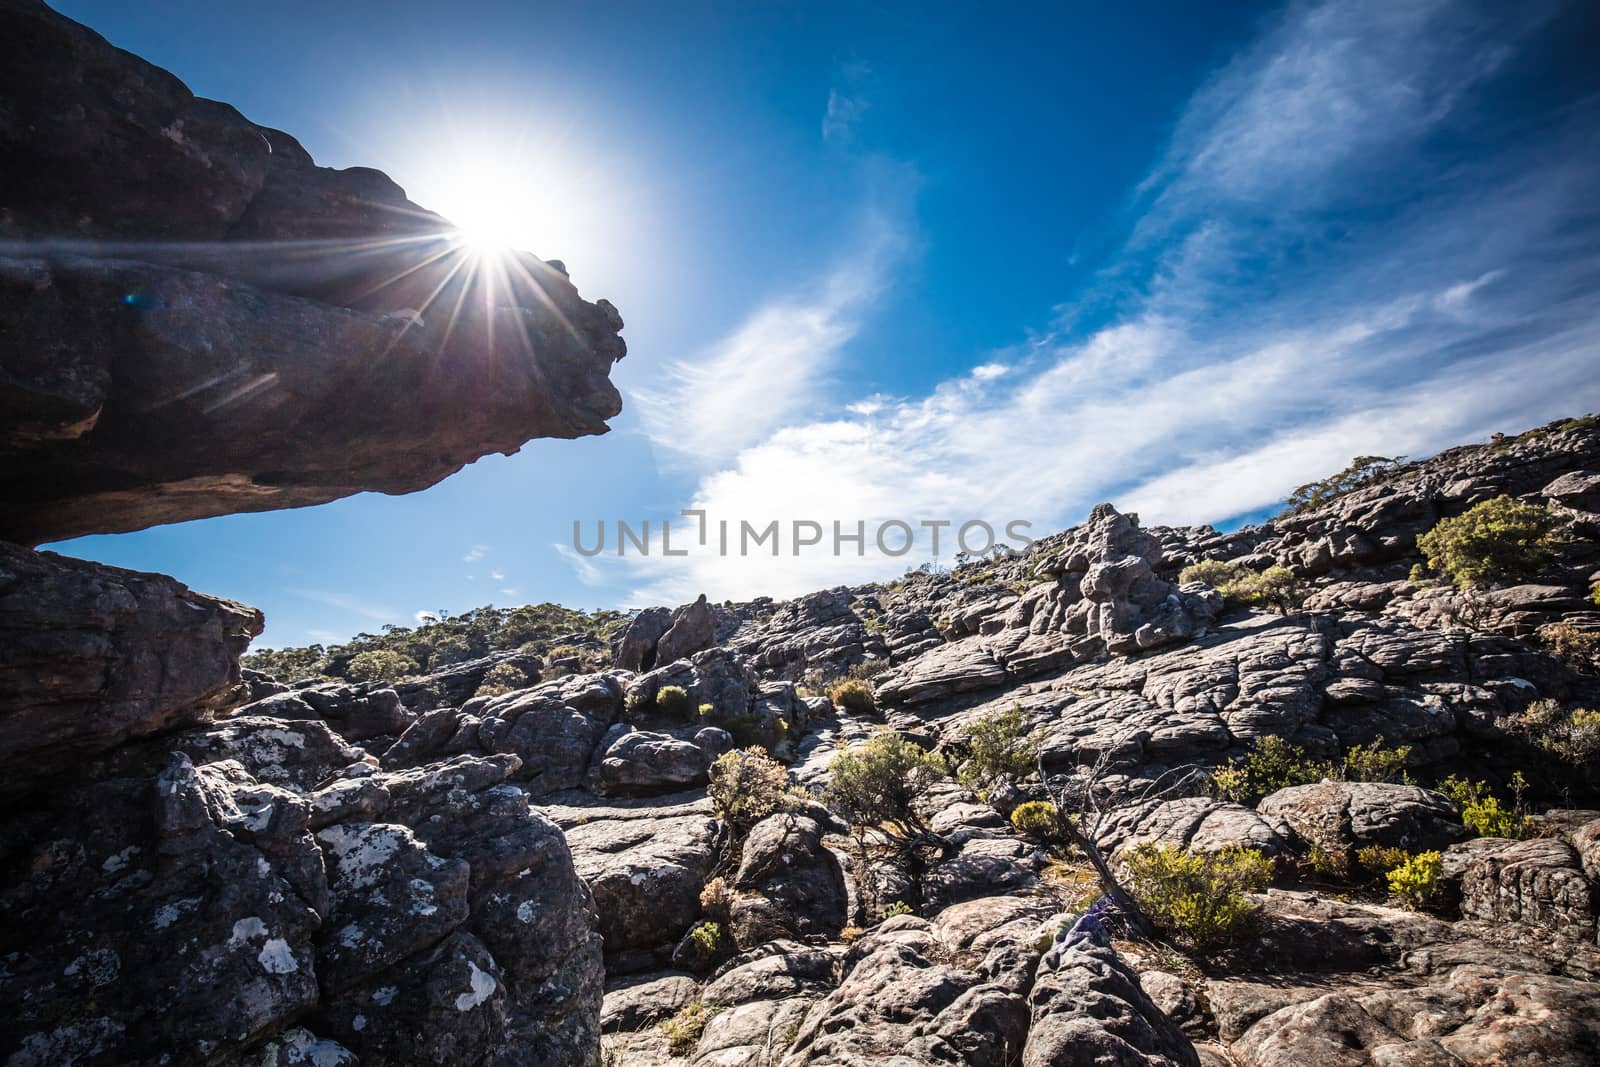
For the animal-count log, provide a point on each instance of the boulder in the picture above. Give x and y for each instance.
(693, 629)
(794, 884)
(1088, 1007)
(635, 648)
(95, 656)
(1343, 816)
(639, 762)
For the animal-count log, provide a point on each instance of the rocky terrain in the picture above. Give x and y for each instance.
(526, 851)
(439, 869)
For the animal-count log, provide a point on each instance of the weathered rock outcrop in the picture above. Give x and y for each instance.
(92, 656)
(198, 320)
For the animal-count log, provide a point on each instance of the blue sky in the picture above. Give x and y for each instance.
(992, 262)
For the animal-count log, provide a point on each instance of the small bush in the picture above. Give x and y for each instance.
(1196, 898)
(897, 907)
(853, 694)
(876, 783)
(500, 679)
(998, 748)
(673, 702)
(1376, 861)
(1572, 736)
(1332, 863)
(683, 1030)
(1275, 587)
(868, 668)
(1482, 811)
(1038, 819)
(379, 665)
(850, 933)
(706, 937)
(1271, 764)
(1374, 763)
(1416, 880)
(716, 899)
(1497, 539)
(1581, 648)
(746, 786)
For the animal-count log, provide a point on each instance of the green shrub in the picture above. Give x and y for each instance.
(1572, 736)
(746, 731)
(1363, 470)
(1497, 539)
(877, 783)
(673, 702)
(379, 665)
(747, 786)
(998, 748)
(1416, 880)
(1196, 898)
(1594, 595)
(868, 668)
(1374, 763)
(1376, 861)
(897, 907)
(1482, 811)
(1038, 819)
(706, 937)
(683, 1030)
(1271, 764)
(853, 694)
(1581, 648)
(1275, 587)
(500, 679)
(716, 899)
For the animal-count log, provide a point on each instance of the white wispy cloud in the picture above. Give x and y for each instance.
(1257, 352)
(841, 116)
(475, 553)
(776, 366)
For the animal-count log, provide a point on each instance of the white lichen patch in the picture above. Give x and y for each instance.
(276, 957)
(245, 929)
(117, 861)
(361, 851)
(384, 995)
(525, 912)
(481, 986)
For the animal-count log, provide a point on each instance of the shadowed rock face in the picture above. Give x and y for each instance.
(195, 319)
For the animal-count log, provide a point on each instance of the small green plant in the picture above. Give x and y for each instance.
(1497, 539)
(1482, 811)
(853, 694)
(1594, 595)
(1374, 763)
(1197, 898)
(1038, 819)
(1271, 764)
(998, 748)
(746, 786)
(706, 937)
(673, 702)
(1376, 861)
(1275, 587)
(1331, 863)
(500, 679)
(1416, 879)
(1571, 736)
(683, 1030)
(878, 782)
(897, 907)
